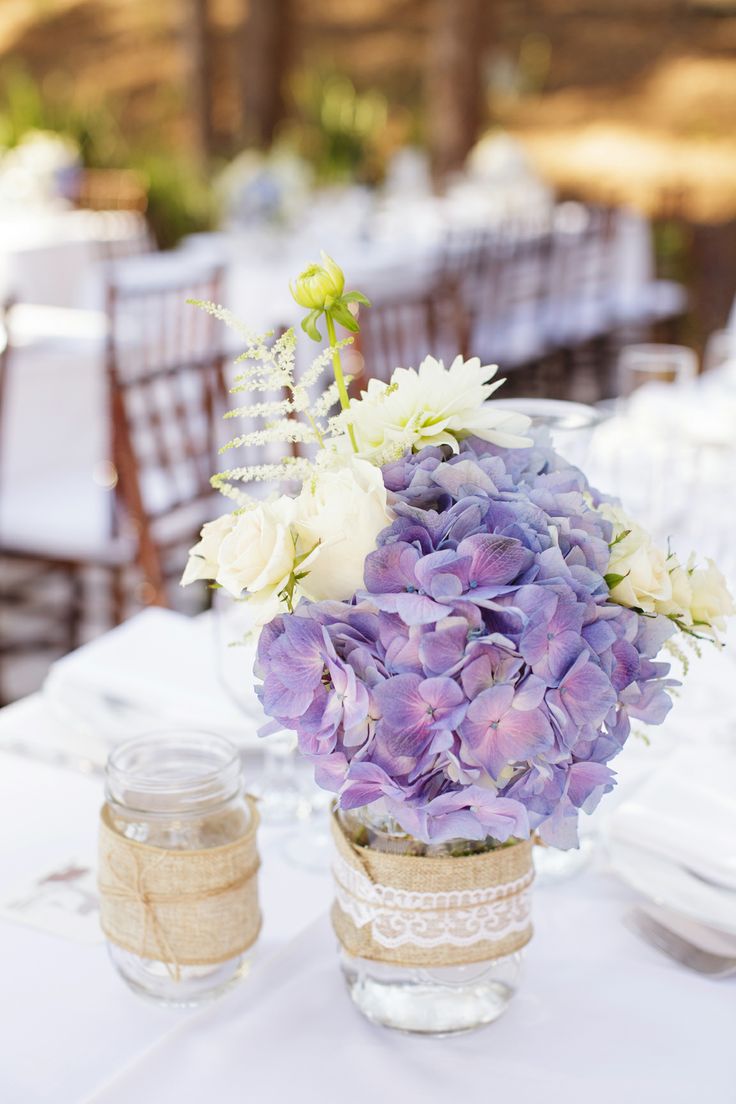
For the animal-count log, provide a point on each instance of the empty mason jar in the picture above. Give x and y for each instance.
(438, 1000)
(180, 792)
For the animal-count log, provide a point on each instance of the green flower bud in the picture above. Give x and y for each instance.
(319, 285)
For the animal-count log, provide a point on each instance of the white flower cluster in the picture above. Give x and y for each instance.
(641, 576)
(311, 546)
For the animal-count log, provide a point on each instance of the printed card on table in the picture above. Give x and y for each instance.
(62, 901)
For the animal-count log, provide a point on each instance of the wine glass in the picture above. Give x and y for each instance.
(720, 353)
(284, 785)
(275, 784)
(571, 425)
(640, 364)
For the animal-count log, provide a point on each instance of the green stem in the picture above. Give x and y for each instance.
(315, 427)
(339, 377)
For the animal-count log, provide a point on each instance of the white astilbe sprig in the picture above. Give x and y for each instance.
(292, 412)
(291, 468)
(327, 401)
(261, 409)
(288, 430)
(222, 314)
(311, 376)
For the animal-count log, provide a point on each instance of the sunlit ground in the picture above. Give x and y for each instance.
(666, 141)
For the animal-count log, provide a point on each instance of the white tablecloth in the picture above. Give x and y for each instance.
(55, 439)
(600, 1018)
(67, 1022)
(46, 254)
(600, 1015)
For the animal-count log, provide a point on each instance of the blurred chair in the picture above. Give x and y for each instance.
(123, 234)
(579, 316)
(644, 305)
(165, 391)
(463, 256)
(39, 606)
(400, 330)
(507, 311)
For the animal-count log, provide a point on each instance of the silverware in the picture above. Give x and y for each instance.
(682, 950)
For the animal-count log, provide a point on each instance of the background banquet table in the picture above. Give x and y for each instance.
(57, 393)
(48, 253)
(600, 1015)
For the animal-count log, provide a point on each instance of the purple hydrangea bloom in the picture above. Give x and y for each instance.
(481, 682)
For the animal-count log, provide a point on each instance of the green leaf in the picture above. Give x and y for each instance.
(340, 313)
(621, 536)
(356, 297)
(309, 325)
(613, 580)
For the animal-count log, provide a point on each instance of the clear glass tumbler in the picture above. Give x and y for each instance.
(182, 792)
(652, 363)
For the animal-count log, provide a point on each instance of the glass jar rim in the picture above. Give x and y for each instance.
(197, 768)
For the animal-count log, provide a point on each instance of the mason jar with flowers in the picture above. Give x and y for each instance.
(460, 631)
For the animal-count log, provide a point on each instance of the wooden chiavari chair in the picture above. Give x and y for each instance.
(507, 312)
(39, 598)
(400, 330)
(580, 316)
(167, 395)
(166, 392)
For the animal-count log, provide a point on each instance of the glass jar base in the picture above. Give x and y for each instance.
(448, 1000)
(196, 984)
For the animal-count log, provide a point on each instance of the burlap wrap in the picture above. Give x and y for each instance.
(185, 908)
(431, 911)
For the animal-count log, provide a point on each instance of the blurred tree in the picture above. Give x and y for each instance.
(454, 81)
(198, 75)
(267, 37)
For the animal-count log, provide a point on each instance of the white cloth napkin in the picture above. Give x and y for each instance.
(158, 670)
(686, 813)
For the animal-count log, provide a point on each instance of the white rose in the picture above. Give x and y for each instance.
(258, 554)
(203, 557)
(339, 513)
(679, 604)
(712, 601)
(641, 568)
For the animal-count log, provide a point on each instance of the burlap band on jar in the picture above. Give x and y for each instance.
(184, 908)
(431, 911)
